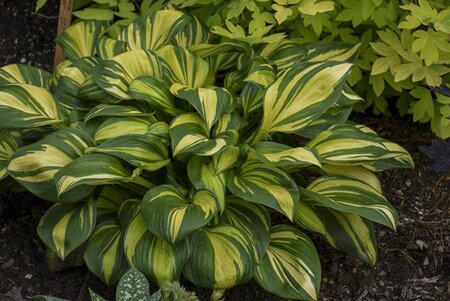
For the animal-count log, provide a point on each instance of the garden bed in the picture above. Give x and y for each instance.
(411, 262)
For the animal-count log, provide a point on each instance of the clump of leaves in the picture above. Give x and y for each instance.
(439, 152)
(170, 149)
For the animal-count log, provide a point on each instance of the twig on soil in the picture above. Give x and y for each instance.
(83, 288)
(408, 259)
(44, 16)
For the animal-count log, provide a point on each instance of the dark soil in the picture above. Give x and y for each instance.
(413, 262)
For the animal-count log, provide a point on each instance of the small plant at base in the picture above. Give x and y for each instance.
(172, 150)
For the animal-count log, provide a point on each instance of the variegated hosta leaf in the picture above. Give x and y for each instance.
(404, 160)
(251, 98)
(65, 227)
(334, 115)
(142, 151)
(350, 233)
(8, 146)
(154, 91)
(27, 106)
(184, 67)
(119, 126)
(35, 165)
(116, 74)
(283, 53)
(228, 122)
(193, 33)
(281, 155)
(262, 72)
(354, 172)
(226, 159)
(189, 133)
(156, 258)
(155, 30)
(78, 179)
(110, 199)
(171, 216)
(306, 217)
(105, 110)
(58, 69)
(332, 51)
(203, 176)
(108, 48)
(70, 81)
(211, 103)
(133, 286)
(301, 94)
(104, 255)
(263, 184)
(347, 144)
(222, 257)
(24, 74)
(291, 267)
(350, 195)
(227, 48)
(80, 39)
(90, 92)
(250, 218)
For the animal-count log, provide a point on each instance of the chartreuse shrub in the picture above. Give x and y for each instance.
(179, 152)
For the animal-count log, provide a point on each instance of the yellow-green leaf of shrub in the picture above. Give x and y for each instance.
(35, 165)
(222, 257)
(27, 106)
(291, 267)
(350, 233)
(65, 227)
(171, 216)
(354, 196)
(104, 255)
(262, 184)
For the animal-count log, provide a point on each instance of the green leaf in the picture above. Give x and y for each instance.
(353, 196)
(350, 145)
(332, 51)
(116, 74)
(27, 106)
(133, 286)
(202, 175)
(8, 146)
(211, 103)
(301, 94)
(48, 298)
(313, 7)
(350, 233)
(189, 133)
(79, 40)
(172, 217)
(40, 4)
(222, 257)
(94, 296)
(354, 172)
(99, 14)
(106, 110)
(305, 216)
(250, 218)
(194, 33)
(154, 31)
(291, 267)
(184, 67)
(34, 166)
(142, 151)
(157, 259)
(262, 184)
(226, 159)
(24, 74)
(104, 253)
(108, 48)
(283, 53)
(78, 179)
(281, 155)
(65, 227)
(155, 92)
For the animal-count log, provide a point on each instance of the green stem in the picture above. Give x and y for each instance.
(255, 138)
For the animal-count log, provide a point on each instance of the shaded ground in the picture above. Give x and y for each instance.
(413, 262)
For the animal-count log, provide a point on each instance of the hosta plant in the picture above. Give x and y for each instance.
(182, 153)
